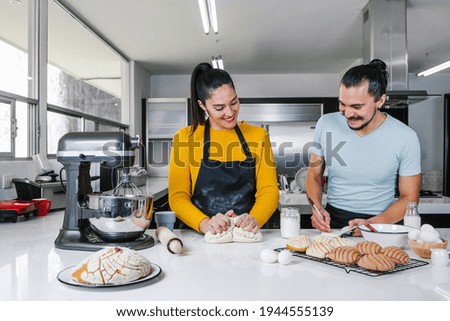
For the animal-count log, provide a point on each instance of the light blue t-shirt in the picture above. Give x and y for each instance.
(362, 170)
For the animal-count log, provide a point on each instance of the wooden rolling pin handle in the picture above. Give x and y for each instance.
(176, 247)
(169, 240)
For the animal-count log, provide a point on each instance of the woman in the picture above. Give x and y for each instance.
(219, 167)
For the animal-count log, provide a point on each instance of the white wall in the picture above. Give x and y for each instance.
(139, 89)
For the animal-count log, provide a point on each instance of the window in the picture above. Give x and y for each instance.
(15, 74)
(84, 81)
(84, 78)
(65, 123)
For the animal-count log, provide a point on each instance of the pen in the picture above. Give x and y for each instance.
(315, 208)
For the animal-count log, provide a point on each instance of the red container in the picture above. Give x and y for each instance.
(13, 208)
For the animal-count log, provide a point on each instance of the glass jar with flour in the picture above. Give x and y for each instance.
(289, 222)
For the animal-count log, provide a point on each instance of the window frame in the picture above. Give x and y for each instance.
(38, 107)
(33, 125)
(83, 118)
(12, 121)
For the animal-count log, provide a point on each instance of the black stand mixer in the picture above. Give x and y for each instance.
(93, 221)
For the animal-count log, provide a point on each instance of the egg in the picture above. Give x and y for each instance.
(414, 234)
(284, 257)
(428, 236)
(268, 256)
(427, 227)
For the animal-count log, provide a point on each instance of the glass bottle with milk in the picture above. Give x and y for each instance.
(412, 217)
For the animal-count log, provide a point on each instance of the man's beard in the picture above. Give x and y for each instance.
(364, 125)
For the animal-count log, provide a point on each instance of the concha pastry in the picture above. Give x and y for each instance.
(319, 250)
(344, 255)
(323, 238)
(339, 241)
(376, 262)
(367, 247)
(112, 265)
(298, 243)
(398, 255)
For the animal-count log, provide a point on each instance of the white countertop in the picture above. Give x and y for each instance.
(438, 205)
(29, 264)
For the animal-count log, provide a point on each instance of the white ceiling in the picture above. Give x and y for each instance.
(259, 36)
(255, 36)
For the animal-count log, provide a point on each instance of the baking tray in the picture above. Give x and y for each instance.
(413, 263)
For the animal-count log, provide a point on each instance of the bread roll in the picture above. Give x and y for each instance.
(344, 255)
(367, 247)
(299, 243)
(319, 250)
(112, 265)
(398, 255)
(376, 262)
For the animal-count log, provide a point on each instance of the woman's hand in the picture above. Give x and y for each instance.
(319, 223)
(218, 223)
(248, 223)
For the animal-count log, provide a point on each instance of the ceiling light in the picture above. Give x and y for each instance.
(434, 69)
(15, 1)
(217, 62)
(209, 15)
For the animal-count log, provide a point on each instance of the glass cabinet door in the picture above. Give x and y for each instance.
(164, 117)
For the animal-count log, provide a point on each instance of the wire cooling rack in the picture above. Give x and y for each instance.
(413, 263)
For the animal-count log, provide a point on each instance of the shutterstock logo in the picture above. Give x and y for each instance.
(333, 153)
(190, 153)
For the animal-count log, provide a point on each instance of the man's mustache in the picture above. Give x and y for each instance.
(352, 118)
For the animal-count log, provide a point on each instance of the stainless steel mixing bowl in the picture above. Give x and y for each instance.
(121, 218)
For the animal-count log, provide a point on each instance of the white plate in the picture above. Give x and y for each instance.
(65, 277)
(300, 178)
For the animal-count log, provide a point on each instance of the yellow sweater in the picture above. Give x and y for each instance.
(185, 160)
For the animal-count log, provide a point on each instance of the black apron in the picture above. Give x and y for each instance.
(340, 217)
(224, 186)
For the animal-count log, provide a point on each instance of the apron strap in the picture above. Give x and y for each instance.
(207, 142)
(243, 142)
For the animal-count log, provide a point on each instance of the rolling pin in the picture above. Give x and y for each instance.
(169, 240)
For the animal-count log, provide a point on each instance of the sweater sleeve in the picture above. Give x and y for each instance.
(266, 184)
(180, 182)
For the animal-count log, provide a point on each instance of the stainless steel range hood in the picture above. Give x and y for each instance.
(385, 38)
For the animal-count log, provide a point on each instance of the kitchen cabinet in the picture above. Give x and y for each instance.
(162, 118)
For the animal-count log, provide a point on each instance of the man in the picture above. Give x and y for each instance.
(363, 149)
